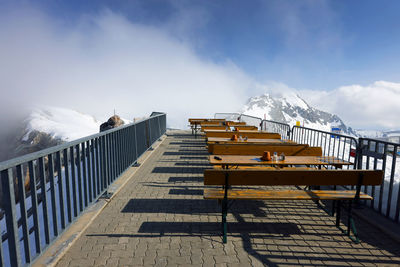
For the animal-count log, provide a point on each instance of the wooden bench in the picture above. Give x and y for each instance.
(212, 127)
(291, 177)
(228, 128)
(211, 123)
(245, 127)
(235, 123)
(258, 149)
(248, 134)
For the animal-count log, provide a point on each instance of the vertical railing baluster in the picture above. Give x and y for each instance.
(113, 158)
(391, 181)
(24, 217)
(109, 175)
(89, 170)
(381, 189)
(99, 174)
(118, 153)
(74, 178)
(67, 183)
(7, 182)
(375, 163)
(36, 227)
(131, 146)
(53, 194)
(79, 170)
(60, 189)
(125, 138)
(124, 149)
(42, 173)
(94, 175)
(83, 162)
(159, 127)
(136, 148)
(105, 163)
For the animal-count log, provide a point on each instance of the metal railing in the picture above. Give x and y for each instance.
(227, 116)
(338, 145)
(276, 127)
(250, 120)
(382, 155)
(44, 192)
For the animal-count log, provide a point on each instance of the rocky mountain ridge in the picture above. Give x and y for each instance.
(290, 108)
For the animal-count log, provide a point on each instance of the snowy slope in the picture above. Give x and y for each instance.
(288, 108)
(371, 133)
(61, 123)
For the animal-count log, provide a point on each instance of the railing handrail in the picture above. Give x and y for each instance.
(227, 113)
(41, 153)
(250, 116)
(321, 131)
(375, 140)
(277, 122)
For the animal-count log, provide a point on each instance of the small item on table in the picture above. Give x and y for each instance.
(275, 157)
(282, 157)
(266, 156)
(236, 129)
(234, 137)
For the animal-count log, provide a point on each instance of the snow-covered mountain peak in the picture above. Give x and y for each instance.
(288, 107)
(60, 123)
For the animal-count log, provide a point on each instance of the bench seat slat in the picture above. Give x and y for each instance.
(251, 194)
(292, 177)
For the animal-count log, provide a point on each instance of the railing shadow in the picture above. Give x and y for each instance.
(179, 170)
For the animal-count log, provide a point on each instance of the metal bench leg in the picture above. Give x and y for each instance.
(224, 223)
(351, 225)
(338, 211)
(333, 204)
(333, 207)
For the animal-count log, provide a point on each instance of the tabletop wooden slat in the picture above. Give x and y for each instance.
(224, 140)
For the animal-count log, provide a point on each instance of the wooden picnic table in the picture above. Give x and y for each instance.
(245, 160)
(196, 122)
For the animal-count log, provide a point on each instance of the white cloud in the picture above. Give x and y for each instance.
(373, 106)
(105, 62)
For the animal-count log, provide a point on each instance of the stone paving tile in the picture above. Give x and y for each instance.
(161, 219)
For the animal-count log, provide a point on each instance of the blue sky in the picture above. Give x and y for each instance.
(334, 54)
(304, 44)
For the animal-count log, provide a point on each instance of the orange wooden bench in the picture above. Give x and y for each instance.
(291, 177)
(244, 134)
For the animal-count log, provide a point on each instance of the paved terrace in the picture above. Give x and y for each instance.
(160, 218)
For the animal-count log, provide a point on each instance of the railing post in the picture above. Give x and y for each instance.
(7, 183)
(358, 159)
